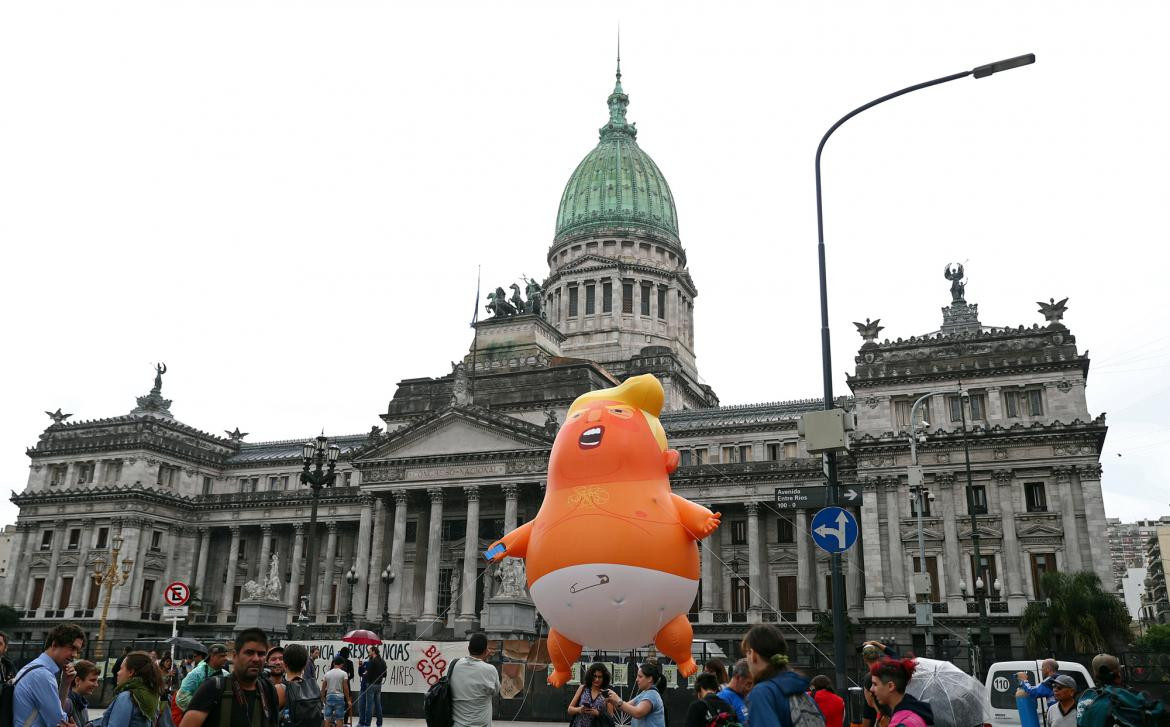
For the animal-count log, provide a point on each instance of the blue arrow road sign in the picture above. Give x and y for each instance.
(834, 530)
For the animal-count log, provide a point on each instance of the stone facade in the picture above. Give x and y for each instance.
(462, 460)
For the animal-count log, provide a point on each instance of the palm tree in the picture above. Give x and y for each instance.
(1076, 616)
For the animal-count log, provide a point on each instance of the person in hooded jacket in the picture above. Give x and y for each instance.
(889, 678)
(776, 687)
(707, 702)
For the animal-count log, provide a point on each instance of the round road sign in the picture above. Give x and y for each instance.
(177, 594)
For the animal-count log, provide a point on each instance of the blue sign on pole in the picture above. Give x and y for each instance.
(834, 530)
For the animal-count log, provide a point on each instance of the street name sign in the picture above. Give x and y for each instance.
(170, 612)
(811, 497)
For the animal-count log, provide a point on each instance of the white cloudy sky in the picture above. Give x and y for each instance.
(287, 201)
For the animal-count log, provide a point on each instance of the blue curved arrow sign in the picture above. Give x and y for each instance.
(834, 530)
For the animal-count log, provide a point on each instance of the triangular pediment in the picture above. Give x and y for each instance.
(1039, 530)
(589, 261)
(911, 535)
(460, 430)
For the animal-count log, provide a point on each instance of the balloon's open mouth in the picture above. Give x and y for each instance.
(591, 437)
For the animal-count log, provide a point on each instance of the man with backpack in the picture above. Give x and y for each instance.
(1111, 703)
(737, 690)
(708, 710)
(209, 667)
(302, 696)
(474, 683)
(243, 698)
(40, 695)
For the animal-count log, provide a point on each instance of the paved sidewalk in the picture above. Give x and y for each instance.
(95, 715)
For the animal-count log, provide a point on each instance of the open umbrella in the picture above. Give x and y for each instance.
(956, 698)
(182, 642)
(362, 637)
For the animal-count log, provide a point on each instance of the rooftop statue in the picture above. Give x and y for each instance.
(869, 330)
(498, 304)
(57, 416)
(236, 435)
(160, 369)
(460, 388)
(954, 273)
(532, 289)
(517, 301)
(1052, 311)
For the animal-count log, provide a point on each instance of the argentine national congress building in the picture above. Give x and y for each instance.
(461, 457)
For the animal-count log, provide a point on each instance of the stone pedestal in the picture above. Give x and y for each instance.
(272, 616)
(522, 341)
(428, 628)
(510, 617)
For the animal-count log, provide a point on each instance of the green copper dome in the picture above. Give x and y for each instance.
(617, 184)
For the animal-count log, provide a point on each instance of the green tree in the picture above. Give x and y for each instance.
(1156, 639)
(8, 617)
(1078, 616)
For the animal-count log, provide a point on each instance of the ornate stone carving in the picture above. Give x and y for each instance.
(1064, 386)
(511, 492)
(1089, 471)
(944, 479)
(1052, 311)
(871, 402)
(471, 493)
(435, 493)
(943, 457)
(512, 578)
(268, 590)
(401, 497)
(235, 435)
(57, 416)
(869, 330)
(525, 466)
(1062, 475)
(551, 425)
(1001, 453)
(753, 508)
(1002, 477)
(383, 474)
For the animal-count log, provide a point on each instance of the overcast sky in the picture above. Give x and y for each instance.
(286, 202)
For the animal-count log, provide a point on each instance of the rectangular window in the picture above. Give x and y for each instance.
(74, 539)
(987, 573)
(607, 297)
(94, 592)
(347, 478)
(739, 595)
(155, 541)
(902, 413)
(684, 458)
(103, 538)
(168, 476)
(444, 589)
(978, 499)
(729, 454)
(242, 553)
(273, 484)
(745, 453)
(147, 596)
(113, 470)
(790, 450)
(1034, 497)
(932, 571)
(47, 540)
(572, 301)
(787, 591)
(773, 449)
(1041, 563)
(491, 528)
(1035, 404)
(557, 308)
(453, 529)
(85, 473)
(785, 532)
(914, 500)
(955, 407)
(646, 299)
(1011, 404)
(206, 485)
(236, 593)
(627, 297)
(701, 456)
(38, 593)
(66, 592)
(57, 473)
(411, 530)
(590, 299)
(978, 407)
(924, 413)
(739, 532)
(662, 303)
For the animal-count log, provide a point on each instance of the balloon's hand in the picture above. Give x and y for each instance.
(710, 525)
(495, 553)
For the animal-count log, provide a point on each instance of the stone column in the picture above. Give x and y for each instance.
(325, 588)
(707, 571)
(434, 553)
(398, 554)
(200, 579)
(48, 600)
(897, 553)
(361, 564)
(293, 592)
(804, 571)
(375, 600)
(945, 483)
(229, 587)
(172, 572)
(1013, 586)
(265, 551)
(16, 556)
(1090, 480)
(855, 578)
(755, 571)
(1068, 516)
(82, 572)
(871, 543)
(138, 573)
(511, 493)
(470, 559)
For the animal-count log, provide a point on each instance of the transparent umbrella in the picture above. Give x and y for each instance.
(956, 698)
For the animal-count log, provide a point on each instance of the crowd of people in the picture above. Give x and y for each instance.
(250, 683)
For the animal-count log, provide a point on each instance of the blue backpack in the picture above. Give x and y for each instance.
(1111, 706)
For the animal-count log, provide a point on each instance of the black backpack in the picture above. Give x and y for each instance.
(8, 698)
(437, 703)
(303, 701)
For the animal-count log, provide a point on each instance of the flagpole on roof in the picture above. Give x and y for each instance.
(474, 340)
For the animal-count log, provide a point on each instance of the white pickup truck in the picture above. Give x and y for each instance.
(1002, 683)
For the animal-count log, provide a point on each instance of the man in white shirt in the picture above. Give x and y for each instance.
(474, 683)
(1064, 712)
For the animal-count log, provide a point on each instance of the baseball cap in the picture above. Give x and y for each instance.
(216, 649)
(1064, 680)
(275, 650)
(1107, 661)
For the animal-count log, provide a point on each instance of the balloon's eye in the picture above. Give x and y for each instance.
(621, 412)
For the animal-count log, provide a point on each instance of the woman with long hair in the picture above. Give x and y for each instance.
(589, 702)
(646, 707)
(777, 689)
(137, 694)
(166, 667)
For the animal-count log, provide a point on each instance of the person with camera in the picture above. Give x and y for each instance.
(646, 707)
(589, 707)
(274, 665)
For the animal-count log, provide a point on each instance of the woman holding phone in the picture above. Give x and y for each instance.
(589, 707)
(646, 707)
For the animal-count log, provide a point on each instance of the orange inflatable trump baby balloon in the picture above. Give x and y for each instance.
(611, 556)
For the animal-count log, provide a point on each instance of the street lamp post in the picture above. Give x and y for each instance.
(976, 648)
(351, 577)
(111, 576)
(977, 565)
(830, 457)
(315, 454)
(387, 579)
